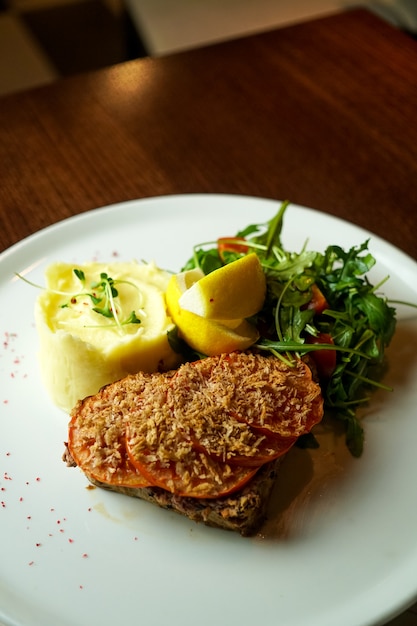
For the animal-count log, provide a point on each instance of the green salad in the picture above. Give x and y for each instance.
(317, 303)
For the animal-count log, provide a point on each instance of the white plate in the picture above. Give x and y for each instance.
(341, 545)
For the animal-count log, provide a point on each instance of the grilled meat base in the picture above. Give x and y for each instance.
(242, 512)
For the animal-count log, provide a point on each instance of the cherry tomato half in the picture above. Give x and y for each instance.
(231, 244)
(318, 301)
(325, 360)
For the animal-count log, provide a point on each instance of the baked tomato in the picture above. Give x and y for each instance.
(193, 475)
(107, 464)
(252, 450)
(287, 404)
(271, 397)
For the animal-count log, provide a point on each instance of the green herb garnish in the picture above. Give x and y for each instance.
(102, 294)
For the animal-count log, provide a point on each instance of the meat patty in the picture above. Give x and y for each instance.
(204, 440)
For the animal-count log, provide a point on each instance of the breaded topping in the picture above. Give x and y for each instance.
(97, 430)
(260, 391)
(201, 430)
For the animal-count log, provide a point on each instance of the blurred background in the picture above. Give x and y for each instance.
(43, 40)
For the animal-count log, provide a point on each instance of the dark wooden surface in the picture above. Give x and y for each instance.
(321, 113)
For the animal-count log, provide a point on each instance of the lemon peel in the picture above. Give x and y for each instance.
(235, 291)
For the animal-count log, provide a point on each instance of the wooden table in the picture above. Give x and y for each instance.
(321, 113)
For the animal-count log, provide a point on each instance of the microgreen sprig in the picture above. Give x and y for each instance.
(102, 294)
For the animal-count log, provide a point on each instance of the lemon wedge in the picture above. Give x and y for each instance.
(234, 291)
(207, 336)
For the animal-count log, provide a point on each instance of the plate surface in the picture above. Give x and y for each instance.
(340, 546)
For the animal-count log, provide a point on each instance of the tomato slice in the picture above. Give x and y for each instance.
(266, 450)
(325, 360)
(160, 446)
(275, 405)
(201, 432)
(188, 443)
(231, 244)
(285, 418)
(99, 454)
(263, 392)
(283, 400)
(199, 403)
(318, 300)
(194, 474)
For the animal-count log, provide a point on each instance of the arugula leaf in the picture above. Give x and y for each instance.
(206, 260)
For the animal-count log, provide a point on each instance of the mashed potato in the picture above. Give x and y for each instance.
(99, 322)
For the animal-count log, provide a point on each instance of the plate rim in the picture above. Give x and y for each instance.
(92, 213)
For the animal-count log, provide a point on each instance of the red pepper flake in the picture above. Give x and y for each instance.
(7, 337)
(29, 517)
(3, 504)
(85, 555)
(20, 499)
(31, 563)
(135, 538)
(81, 587)
(38, 479)
(7, 453)
(61, 530)
(3, 489)
(38, 545)
(5, 402)
(70, 540)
